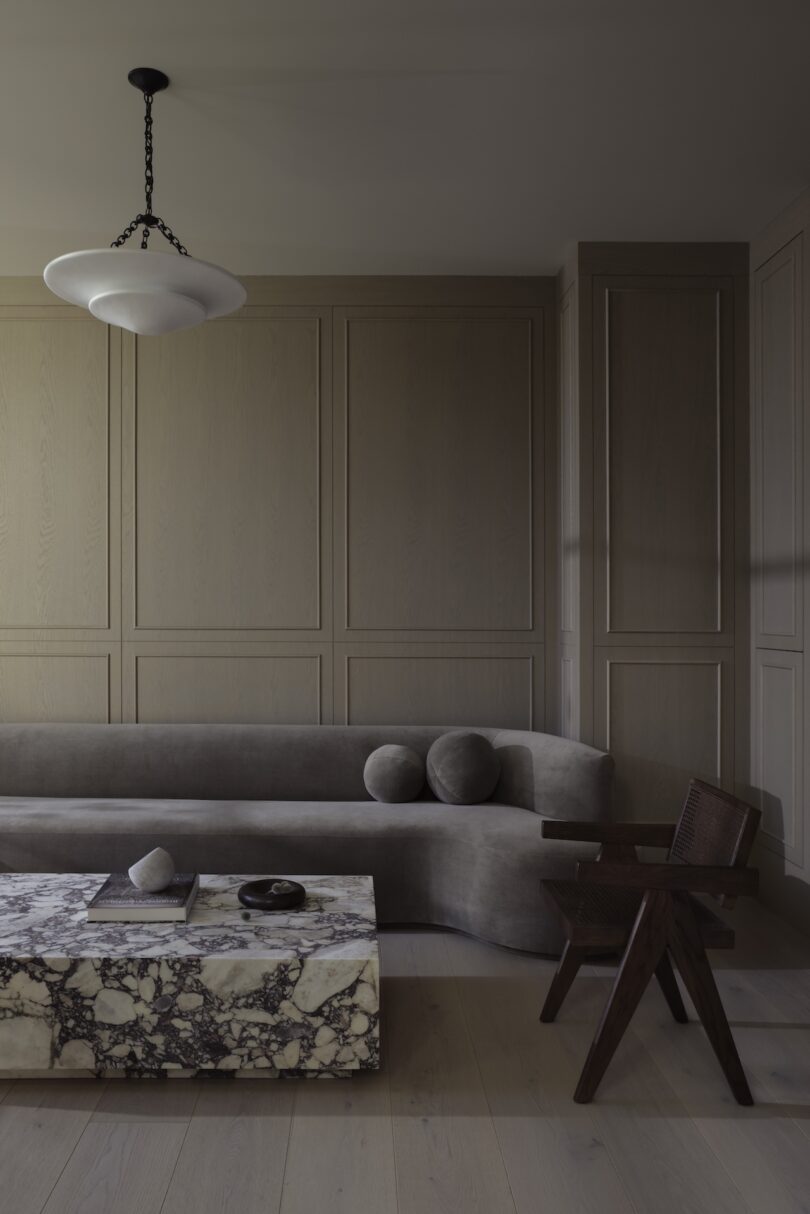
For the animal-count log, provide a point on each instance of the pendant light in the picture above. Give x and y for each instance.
(145, 291)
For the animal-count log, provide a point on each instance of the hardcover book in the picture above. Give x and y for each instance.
(119, 901)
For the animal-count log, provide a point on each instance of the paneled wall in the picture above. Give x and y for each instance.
(653, 503)
(329, 507)
(59, 514)
(780, 462)
(573, 573)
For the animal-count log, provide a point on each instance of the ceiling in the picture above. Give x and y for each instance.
(421, 137)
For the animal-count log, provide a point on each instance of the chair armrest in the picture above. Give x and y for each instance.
(636, 834)
(684, 878)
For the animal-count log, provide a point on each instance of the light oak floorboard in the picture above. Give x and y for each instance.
(762, 1148)
(148, 1100)
(661, 1155)
(40, 1124)
(472, 1112)
(341, 1153)
(446, 1148)
(550, 1145)
(118, 1167)
(764, 984)
(232, 1159)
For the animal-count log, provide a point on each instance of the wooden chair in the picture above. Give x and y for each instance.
(650, 911)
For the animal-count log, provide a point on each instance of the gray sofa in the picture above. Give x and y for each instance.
(291, 799)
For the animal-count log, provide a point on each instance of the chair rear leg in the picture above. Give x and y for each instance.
(686, 945)
(641, 957)
(669, 985)
(570, 961)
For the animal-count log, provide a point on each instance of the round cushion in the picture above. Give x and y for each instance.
(394, 773)
(463, 768)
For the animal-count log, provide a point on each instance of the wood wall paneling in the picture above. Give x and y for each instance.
(569, 474)
(658, 636)
(248, 683)
(59, 681)
(569, 693)
(411, 684)
(58, 461)
(663, 386)
(780, 511)
(666, 715)
(439, 473)
(225, 453)
(777, 450)
(778, 749)
(222, 439)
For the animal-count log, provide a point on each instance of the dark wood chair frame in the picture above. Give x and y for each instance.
(670, 923)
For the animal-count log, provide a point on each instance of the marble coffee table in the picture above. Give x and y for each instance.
(292, 992)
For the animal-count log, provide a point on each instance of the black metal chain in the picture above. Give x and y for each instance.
(149, 176)
(166, 231)
(146, 218)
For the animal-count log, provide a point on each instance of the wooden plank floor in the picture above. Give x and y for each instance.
(471, 1113)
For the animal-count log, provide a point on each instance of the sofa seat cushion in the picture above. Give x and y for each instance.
(65, 817)
(473, 867)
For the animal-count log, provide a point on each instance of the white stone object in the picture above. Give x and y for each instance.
(152, 872)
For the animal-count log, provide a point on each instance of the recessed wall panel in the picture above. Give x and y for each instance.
(206, 687)
(778, 748)
(413, 686)
(227, 477)
(660, 375)
(570, 554)
(56, 687)
(54, 484)
(665, 718)
(777, 449)
(440, 475)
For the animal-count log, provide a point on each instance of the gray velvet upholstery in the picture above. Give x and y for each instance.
(394, 773)
(462, 767)
(291, 799)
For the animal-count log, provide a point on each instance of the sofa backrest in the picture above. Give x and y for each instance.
(550, 775)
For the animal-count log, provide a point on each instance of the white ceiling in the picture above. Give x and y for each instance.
(373, 137)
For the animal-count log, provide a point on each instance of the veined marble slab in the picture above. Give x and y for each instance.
(281, 992)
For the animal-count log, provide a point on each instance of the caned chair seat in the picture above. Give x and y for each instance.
(599, 916)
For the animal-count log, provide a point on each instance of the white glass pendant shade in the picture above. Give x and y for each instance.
(145, 291)
(148, 313)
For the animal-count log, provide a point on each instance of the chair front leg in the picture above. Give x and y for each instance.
(642, 956)
(689, 953)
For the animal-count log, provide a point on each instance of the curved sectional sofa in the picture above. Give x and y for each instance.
(291, 799)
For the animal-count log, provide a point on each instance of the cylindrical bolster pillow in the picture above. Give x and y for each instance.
(462, 768)
(394, 773)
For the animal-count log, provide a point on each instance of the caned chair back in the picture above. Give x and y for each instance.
(714, 828)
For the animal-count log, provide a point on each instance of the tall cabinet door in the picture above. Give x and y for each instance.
(777, 573)
(664, 399)
(776, 448)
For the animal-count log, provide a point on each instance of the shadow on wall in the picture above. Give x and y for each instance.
(773, 818)
(780, 889)
(647, 790)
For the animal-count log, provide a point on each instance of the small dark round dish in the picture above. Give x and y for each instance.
(272, 894)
